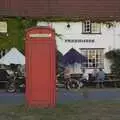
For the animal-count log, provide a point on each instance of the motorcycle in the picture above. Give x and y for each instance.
(70, 83)
(11, 85)
(16, 83)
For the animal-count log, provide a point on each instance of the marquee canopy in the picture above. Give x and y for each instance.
(13, 57)
(73, 56)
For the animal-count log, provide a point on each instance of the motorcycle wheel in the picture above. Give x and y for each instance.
(73, 84)
(11, 89)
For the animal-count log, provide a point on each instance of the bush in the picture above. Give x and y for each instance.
(114, 57)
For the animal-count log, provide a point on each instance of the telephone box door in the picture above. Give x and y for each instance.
(40, 67)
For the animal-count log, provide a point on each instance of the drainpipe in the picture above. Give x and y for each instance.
(114, 33)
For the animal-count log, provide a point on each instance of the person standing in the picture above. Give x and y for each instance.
(67, 76)
(84, 77)
(94, 74)
(67, 73)
(100, 78)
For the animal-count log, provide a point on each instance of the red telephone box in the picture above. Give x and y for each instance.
(40, 67)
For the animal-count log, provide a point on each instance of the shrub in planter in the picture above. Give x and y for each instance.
(114, 57)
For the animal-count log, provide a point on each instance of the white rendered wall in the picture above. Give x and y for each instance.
(108, 39)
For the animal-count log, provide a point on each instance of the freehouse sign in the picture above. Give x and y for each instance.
(80, 40)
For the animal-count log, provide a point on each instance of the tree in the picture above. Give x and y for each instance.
(15, 32)
(59, 66)
(114, 57)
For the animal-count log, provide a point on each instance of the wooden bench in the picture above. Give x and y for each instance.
(109, 79)
(113, 81)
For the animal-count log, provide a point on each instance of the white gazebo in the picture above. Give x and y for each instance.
(13, 57)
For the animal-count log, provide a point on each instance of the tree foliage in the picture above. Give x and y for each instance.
(114, 57)
(15, 32)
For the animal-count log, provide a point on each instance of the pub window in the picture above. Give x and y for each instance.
(91, 27)
(95, 57)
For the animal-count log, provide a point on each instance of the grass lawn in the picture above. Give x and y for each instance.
(87, 110)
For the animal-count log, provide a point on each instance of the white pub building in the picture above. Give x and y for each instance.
(91, 39)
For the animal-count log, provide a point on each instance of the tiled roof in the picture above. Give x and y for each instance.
(83, 9)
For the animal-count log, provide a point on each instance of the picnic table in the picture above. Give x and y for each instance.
(109, 79)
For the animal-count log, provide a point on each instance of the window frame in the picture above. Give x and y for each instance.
(83, 27)
(95, 51)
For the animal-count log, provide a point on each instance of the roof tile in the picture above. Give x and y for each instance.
(100, 9)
